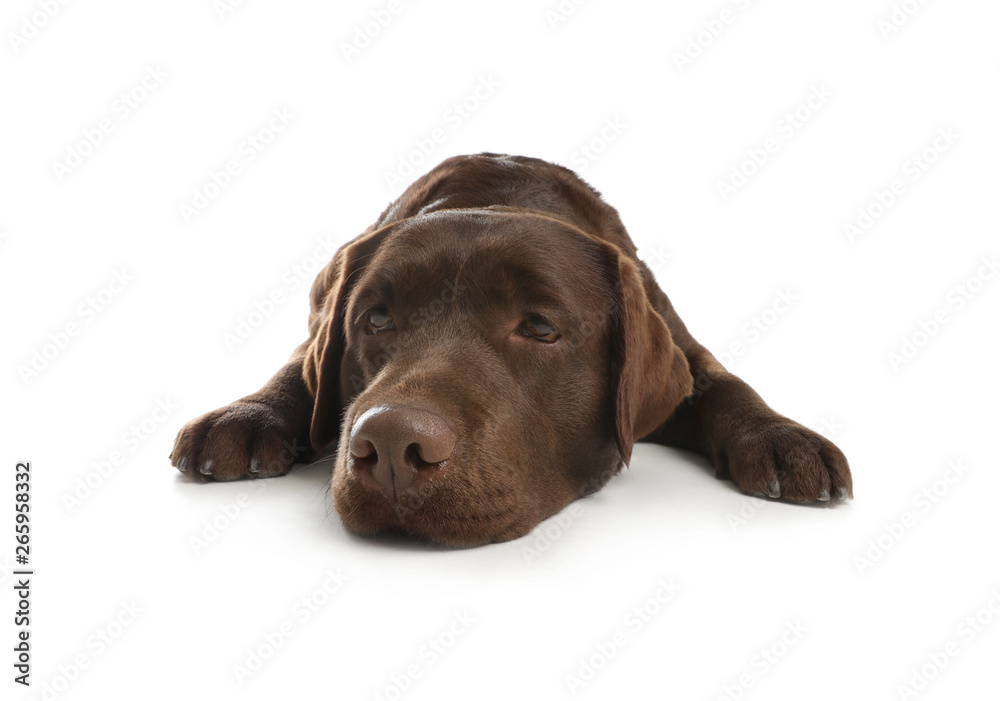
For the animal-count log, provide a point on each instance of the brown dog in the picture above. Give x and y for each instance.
(487, 352)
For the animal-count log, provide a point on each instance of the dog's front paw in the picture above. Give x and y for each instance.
(244, 439)
(780, 458)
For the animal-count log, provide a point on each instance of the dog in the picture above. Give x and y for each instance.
(485, 353)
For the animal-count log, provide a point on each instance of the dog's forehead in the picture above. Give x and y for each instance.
(505, 252)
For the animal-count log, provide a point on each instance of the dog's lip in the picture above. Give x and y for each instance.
(372, 514)
(451, 531)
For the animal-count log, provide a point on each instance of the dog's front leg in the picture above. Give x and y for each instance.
(260, 435)
(761, 451)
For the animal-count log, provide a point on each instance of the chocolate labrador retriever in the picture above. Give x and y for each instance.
(485, 353)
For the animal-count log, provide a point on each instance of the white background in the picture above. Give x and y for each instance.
(850, 602)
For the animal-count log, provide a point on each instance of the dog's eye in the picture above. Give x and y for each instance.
(540, 328)
(379, 319)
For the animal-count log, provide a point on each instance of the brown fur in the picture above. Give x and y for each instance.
(459, 260)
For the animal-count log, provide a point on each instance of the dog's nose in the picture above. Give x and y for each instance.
(395, 449)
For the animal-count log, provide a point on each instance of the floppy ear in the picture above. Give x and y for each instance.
(321, 365)
(649, 373)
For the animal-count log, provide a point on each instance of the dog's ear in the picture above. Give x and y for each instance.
(649, 373)
(325, 352)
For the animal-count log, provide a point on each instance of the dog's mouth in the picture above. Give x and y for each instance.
(366, 512)
(444, 508)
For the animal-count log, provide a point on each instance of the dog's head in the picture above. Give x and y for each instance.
(482, 369)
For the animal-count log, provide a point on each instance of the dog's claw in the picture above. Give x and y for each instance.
(255, 466)
(182, 464)
(824, 495)
(842, 494)
(206, 469)
(774, 489)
